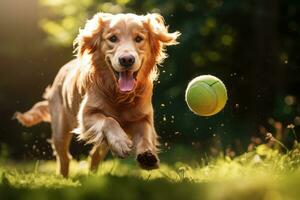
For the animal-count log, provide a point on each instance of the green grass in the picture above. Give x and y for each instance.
(262, 174)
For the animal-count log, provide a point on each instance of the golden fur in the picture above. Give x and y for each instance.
(85, 97)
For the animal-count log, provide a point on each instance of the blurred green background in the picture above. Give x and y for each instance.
(252, 45)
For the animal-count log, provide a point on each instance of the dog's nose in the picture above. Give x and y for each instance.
(127, 60)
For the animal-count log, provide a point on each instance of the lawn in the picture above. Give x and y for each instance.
(263, 173)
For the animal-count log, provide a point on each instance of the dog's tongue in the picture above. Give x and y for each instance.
(126, 81)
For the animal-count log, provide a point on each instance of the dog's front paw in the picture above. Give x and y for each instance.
(148, 160)
(121, 148)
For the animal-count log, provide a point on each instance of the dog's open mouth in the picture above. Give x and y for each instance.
(126, 80)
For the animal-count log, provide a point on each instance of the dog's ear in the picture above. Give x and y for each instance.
(160, 30)
(159, 36)
(89, 38)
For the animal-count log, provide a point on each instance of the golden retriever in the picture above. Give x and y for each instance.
(104, 95)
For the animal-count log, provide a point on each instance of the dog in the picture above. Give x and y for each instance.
(104, 94)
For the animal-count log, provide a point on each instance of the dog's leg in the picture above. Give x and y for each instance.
(61, 138)
(145, 142)
(99, 128)
(97, 154)
(95, 127)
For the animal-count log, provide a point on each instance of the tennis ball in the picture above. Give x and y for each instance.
(206, 95)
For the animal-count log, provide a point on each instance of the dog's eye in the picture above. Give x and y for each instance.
(113, 39)
(138, 39)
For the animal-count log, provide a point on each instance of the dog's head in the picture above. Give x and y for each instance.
(130, 44)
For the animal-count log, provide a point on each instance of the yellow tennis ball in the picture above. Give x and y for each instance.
(206, 95)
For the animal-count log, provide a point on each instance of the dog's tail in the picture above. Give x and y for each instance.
(37, 114)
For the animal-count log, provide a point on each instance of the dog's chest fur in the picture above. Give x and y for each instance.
(125, 113)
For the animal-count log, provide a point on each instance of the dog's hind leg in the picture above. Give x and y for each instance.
(61, 138)
(97, 154)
